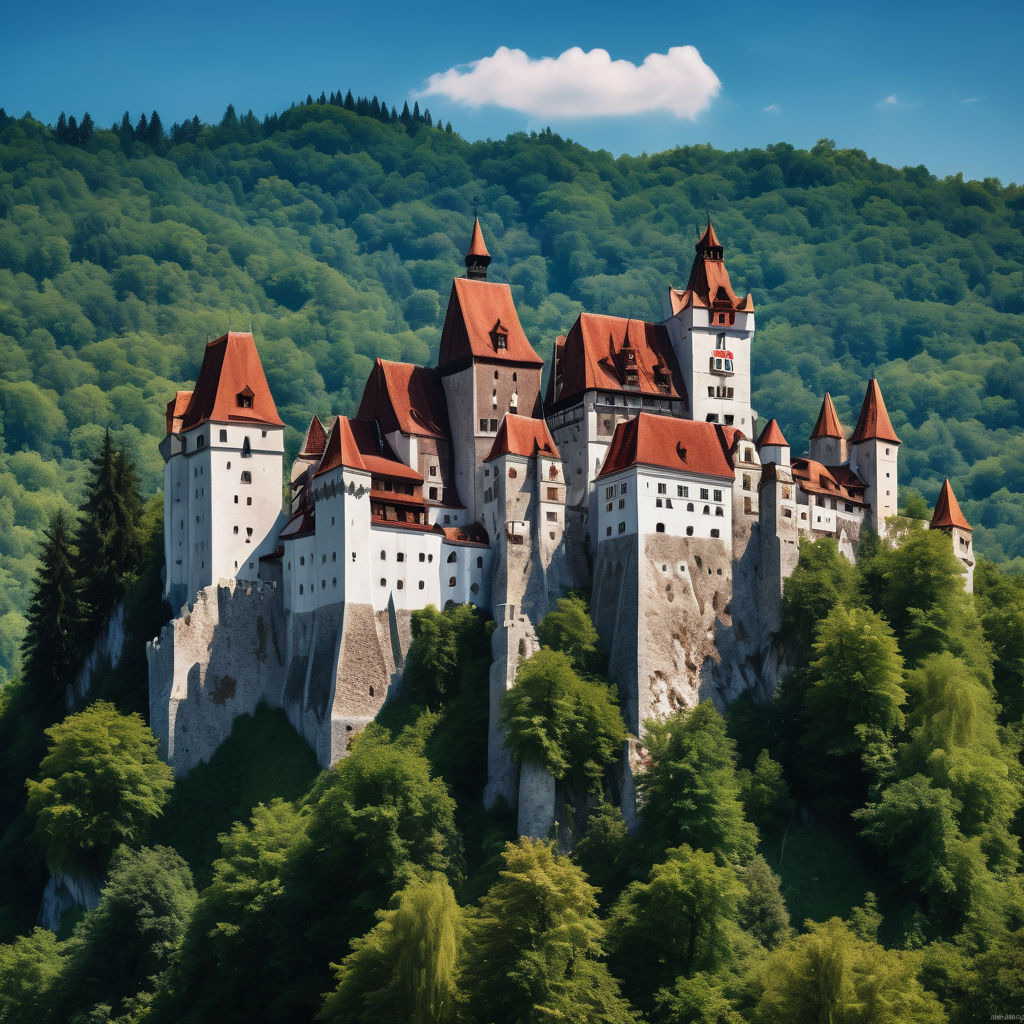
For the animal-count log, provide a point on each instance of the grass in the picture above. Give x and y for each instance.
(263, 758)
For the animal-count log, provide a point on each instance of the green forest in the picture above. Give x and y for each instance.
(848, 851)
(334, 229)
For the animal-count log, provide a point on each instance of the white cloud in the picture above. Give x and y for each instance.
(772, 108)
(971, 99)
(582, 83)
(889, 101)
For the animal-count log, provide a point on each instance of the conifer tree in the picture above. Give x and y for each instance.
(85, 129)
(109, 548)
(126, 131)
(61, 131)
(72, 132)
(50, 647)
(350, 103)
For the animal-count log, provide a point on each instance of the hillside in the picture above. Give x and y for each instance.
(336, 237)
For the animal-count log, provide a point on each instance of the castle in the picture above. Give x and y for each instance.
(641, 471)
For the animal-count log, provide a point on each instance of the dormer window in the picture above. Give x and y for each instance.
(499, 335)
(245, 397)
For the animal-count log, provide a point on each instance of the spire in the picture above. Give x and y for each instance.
(874, 424)
(772, 435)
(827, 424)
(708, 246)
(947, 511)
(478, 257)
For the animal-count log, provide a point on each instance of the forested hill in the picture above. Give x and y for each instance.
(336, 235)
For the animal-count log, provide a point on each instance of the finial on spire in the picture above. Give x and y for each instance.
(478, 257)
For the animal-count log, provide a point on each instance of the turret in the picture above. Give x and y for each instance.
(223, 453)
(948, 518)
(772, 445)
(873, 453)
(478, 258)
(828, 445)
(711, 329)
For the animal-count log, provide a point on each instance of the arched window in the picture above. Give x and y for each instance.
(659, 528)
(689, 531)
(383, 556)
(246, 477)
(246, 449)
(480, 562)
(452, 557)
(451, 582)
(719, 511)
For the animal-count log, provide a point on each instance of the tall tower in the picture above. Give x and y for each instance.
(488, 368)
(873, 452)
(828, 443)
(711, 330)
(948, 518)
(222, 471)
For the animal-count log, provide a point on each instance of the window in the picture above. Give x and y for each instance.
(302, 560)
(420, 584)
(245, 397)
(480, 562)
(682, 492)
(451, 581)
(715, 533)
(689, 531)
(720, 511)
(659, 502)
(659, 527)
(383, 582)
(248, 531)
(400, 557)
(300, 587)
(707, 510)
(200, 441)
(622, 527)
(622, 504)
(236, 529)
(423, 556)
(246, 477)
(494, 425)
(246, 449)
(483, 426)
(353, 556)
(400, 585)
(223, 435)
(552, 494)
(623, 487)
(718, 495)
(661, 488)
(703, 494)
(236, 499)
(512, 474)
(608, 531)
(452, 558)
(248, 501)
(551, 517)
(609, 492)
(746, 481)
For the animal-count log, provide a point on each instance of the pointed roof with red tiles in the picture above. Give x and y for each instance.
(947, 513)
(709, 283)
(827, 424)
(231, 386)
(315, 440)
(833, 481)
(686, 446)
(341, 449)
(772, 435)
(522, 435)
(874, 424)
(598, 351)
(400, 396)
(482, 323)
(176, 410)
(478, 257)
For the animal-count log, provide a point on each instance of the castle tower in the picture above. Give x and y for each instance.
(222, 471)
(711, 330)
(948, 518)
(828, 444)
(772, 445)
(873, 452)
(488, 368)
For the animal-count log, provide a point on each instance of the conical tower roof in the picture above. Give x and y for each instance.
(827, 424)
(947, 511)
(874, 424)
(772, 434)
(478, 257)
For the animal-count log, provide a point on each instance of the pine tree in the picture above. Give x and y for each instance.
(50, 647)
(72, 133)
(156, 130)
(109, 548)
(85, 129)
(126, 131)
(142, 128)
(61, 131)
(350, 103)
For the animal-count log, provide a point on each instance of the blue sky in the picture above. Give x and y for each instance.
(910, 83)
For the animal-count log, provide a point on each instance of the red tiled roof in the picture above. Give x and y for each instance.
(176, 409)
(315, 440)
(947, 511)
(471, 533)
(873, 423)
(833, 481)
(230, 365)
(687, 446)
(400, 396)
(595, 354)
(376, 453)
(522, 435)
(476, 243)
(475, 309)
(827, 424)
(341, 449)
(772, 434)
(300, 525)
(709, 283)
